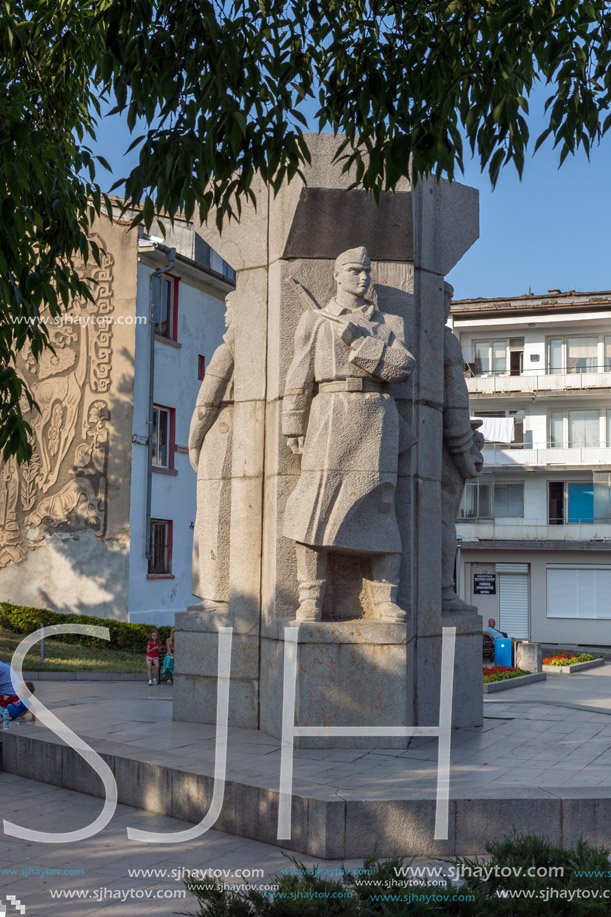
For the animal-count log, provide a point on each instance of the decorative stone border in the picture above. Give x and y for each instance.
(493, 686)
(324, 824)
(86, 676)
(576, 667)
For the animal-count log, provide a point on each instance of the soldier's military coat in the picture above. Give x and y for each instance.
(346, 490)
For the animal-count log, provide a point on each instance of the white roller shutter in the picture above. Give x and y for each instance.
(578, 591)
(514, 603)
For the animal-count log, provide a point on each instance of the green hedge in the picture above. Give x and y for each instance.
(123, 636)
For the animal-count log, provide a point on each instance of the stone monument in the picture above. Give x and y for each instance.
(329, 445)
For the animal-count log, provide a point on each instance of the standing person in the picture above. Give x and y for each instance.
(152, 656)
(210, 446)
(340, 415)
(168, 662)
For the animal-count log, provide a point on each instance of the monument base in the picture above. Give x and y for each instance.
(197, 643)
(349, 673)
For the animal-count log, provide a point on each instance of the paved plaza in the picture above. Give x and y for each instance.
(551, 739)
(555, 733)
(106, 860)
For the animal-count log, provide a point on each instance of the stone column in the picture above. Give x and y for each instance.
(352, 669)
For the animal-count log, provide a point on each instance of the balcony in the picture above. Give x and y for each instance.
(527, 456)
(525, 530)
(533, 381)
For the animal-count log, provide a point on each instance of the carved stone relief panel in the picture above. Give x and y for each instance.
(64, 487)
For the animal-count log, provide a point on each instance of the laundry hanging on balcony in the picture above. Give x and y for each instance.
(497, 429)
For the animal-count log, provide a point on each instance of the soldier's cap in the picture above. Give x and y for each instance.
(353, 256)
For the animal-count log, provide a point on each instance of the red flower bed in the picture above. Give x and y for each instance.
(549, 660)
(499, 669)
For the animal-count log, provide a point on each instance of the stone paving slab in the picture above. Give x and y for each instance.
(540, 746)
(100, 865)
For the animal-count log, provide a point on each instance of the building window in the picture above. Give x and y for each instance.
(498, 358)
(476, 501)
(160, 559)
(490, 357)
(489, 499)
(165, 297)
(201, 367)
(508, 500)
(164, 425)
(577, 429)
(580, 502)
(579, 354)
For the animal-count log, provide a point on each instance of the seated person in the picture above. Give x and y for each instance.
(18, 707)
(8, 683)
(492, 630)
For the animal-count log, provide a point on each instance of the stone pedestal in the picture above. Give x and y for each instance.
(529, 656)
(351, 668)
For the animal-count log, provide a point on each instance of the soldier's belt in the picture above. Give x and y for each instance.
(353, 384)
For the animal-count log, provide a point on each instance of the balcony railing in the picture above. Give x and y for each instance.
(472, 372)
(476, 529)
(545, 454)
(538, 380)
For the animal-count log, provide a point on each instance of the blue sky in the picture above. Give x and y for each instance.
(552, 230)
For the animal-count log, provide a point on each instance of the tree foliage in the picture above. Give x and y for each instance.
(225, 89)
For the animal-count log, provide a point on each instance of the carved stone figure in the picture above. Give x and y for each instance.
(462, 458)
(65, 483)
(210, 444)
(340, 415)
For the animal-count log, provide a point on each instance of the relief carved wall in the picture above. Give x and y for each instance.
(64, 487)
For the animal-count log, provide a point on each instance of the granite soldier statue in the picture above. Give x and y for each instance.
(339, 413)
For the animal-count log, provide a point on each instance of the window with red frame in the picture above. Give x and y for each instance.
(201, 367)
(164, 436)
(160, 560)
(166, 297)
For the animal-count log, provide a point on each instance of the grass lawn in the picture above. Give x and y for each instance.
(68, 657)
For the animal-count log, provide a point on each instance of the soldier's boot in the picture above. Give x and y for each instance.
(310, 601)
(383, 588)
(384, 598)
(311, 576)
(451, 604)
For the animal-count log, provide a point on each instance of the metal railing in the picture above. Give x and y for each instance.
(471, 371)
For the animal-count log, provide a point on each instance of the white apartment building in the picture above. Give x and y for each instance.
(535, 529)
(190, 297)
(101, 520)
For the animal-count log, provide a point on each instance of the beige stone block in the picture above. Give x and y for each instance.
(429, 338)
(286, 306)
(245, 559)
(242, 243)
(195, 700)
(191, 797)
(467, 708)
(342, 684)
(248, 439)
(250, 319)
(405, 827)
(427, 556)
(322, 218)
(279, 567)
(428, 428)
(197, 654)
(326, 828)
(446, 217)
